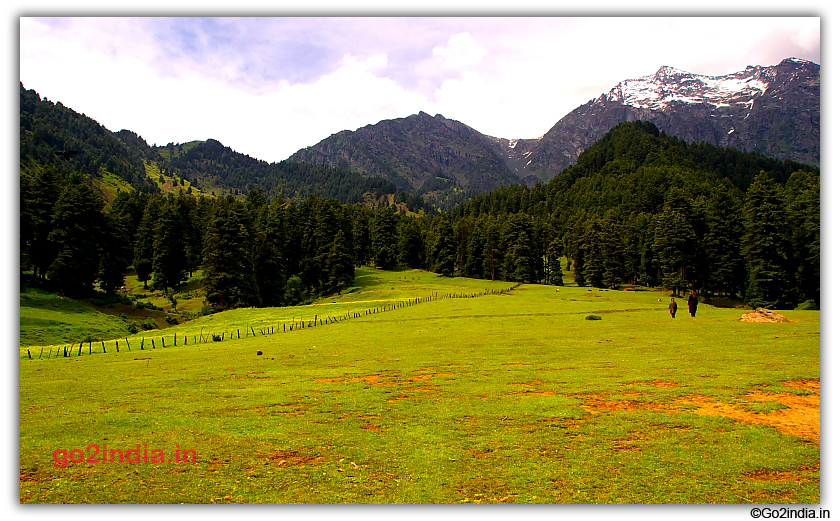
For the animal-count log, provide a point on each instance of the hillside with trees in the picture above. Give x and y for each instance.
(56, 136)
(643, 207)
(640, 207)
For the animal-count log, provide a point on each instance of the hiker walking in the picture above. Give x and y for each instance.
(692, 303)
(672, 307)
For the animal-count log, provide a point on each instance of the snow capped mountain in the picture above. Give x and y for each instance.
(774, 111)
(667, 86)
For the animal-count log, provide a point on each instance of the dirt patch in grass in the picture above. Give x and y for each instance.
(383, 379)
(31, 476)
(286, 409)
(806, 385)
(801, 418)
(530, 392)
(656, 383)
(632, 443)
(784, 476)
(290, 458)
(598, 405)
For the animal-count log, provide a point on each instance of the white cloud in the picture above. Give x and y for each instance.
(300, 115)
(461, 51)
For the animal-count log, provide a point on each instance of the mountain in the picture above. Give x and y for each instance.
(773, 111)
(57, 136)
(419, 153)
(211, 164)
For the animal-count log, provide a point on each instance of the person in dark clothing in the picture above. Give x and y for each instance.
(692, 303)
(673, 308)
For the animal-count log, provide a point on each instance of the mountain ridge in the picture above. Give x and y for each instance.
(773, 111)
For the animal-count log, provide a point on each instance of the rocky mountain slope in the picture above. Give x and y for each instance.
(416, 153)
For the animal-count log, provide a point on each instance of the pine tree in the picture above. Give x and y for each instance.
(492, 251)
(144, 244)
(229, 278)
(269, 268)
(802, 212)
(518, 260)
(411, 245)
(674, 243)
(611, 248)
(115, 252)
(555, 264)
(362, 255)
(339, 264)
(170, 259)
(44, 191)
(767, 247)
(474, 262)
(384, 238)
(722, 243)
(442, 258)
(592, 248)
(76, 229)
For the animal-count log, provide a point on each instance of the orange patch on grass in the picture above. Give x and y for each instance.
(800, 419)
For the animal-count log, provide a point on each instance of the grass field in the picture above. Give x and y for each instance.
(46, 319)
(501, 398)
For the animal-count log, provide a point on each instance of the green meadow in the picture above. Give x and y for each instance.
(406, 394)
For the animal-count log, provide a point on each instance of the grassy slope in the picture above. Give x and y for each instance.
(46, 319)
(172, 183)
(489, 399)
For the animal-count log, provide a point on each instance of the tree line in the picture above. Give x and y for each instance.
(640, 207)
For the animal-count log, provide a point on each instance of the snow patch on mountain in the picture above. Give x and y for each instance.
(668, 86)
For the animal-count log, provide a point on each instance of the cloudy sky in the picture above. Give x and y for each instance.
(270, 86)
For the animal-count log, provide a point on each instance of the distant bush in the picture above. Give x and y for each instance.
(149, 323)
(146, 305)
(171, 320)
(593, 317)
